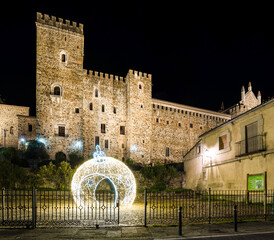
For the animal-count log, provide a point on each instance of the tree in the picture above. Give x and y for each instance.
(57, 177)
(75, 159)
(36, 151)
(12, 176)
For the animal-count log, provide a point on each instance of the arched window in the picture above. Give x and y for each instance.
(96, 92)
(90, 106)
(57, 91)
(11, 130)
(63, 57)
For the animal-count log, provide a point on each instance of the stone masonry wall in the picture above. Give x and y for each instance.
(9, 127)
(117, 112)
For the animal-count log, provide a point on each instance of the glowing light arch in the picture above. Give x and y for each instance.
(90, 174)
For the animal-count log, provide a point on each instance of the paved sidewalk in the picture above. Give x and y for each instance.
(189, 231)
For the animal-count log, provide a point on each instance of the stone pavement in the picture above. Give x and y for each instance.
(189, 232)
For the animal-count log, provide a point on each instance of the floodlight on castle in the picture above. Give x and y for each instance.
(90, 174)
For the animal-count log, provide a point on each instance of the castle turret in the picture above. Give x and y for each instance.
(259, 97)
(243, 94)
(249, 87)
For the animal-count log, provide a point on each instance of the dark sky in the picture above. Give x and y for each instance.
(199, 55)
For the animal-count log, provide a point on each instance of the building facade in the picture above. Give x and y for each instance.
(16, 126)
(235, 152)
(78, 108)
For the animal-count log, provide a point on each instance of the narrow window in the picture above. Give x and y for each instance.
(63, 57)
(140, 86)
(57, 91)
(223, 142)
(30, 127)
(103, 108)
(90, 106)
(157, 120)
(61, 131)
(96, 92)
(122, 130)
(11, 130)
(142, 106)
(153, 105)
(114, 110)
(191, 125)
(97, 142)
(103, 128)
(106, 144)
(167, 122)
(167, 151)
(76, 110)
(179, 124)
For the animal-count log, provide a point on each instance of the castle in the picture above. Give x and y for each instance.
(76, 109)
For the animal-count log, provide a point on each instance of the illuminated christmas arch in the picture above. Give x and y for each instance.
(90, 174)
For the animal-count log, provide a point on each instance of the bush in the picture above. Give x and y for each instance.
(75, 159)
(11, 175)
(60, 157)
(58, 177)
(160, 175)
(37, 151)
(13, 155)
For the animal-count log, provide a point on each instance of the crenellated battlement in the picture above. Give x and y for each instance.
(139, 74)
(103, 76)
(52, 21)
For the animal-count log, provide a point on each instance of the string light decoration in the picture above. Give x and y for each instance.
(90, 174)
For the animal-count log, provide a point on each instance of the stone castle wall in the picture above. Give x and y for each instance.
(12, 126)
(178, 127)
(118, 113)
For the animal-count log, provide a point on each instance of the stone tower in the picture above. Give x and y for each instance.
(139, 116)
(59, 69)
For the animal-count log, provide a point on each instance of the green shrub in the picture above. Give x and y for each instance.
(75, 159)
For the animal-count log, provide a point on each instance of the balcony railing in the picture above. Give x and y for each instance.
(251, 145)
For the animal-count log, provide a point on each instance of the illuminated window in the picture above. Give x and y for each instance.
(61, 131)
(57, 91)
(122, 130)
(103, 128)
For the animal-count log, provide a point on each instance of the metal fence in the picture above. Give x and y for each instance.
(207, 206)
(34, 208)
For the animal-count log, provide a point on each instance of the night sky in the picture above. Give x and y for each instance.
(198, 55)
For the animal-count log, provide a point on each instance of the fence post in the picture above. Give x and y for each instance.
(34, 203)
(235, 218)
(118, 205)
(265, 196)
(180, 221)
(3, 204)
(209, 205)
(145, 203)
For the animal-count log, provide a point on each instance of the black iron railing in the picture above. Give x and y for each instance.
(251, 145)
(207, 206)
(34, 208)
